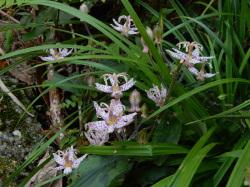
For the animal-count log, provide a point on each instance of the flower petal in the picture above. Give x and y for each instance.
(175, 55)
(125, 120)
(209, 75)
(71, 153)
(100, 112)
(65, 52)
(97, 125)
(77, 162)
(59, 168)
(67, 170)
(127, 85)
(97, 137)
(193, 70)
(47, 58)
(59, 160)
(116, 107)
(103, 88)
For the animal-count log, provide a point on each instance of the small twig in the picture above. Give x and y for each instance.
(13, 97)
(10, 94)
(8, 16)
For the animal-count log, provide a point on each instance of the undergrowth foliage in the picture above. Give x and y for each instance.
(154, 94)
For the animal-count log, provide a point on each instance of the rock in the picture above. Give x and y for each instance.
(19, 133)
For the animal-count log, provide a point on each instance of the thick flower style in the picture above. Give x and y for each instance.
(125, 25)
(67, 160)
(158, 95)
(96, 137)
(115, 88)
(56, 54)
(112, 115)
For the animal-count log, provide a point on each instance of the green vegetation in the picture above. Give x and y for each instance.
(195, 134)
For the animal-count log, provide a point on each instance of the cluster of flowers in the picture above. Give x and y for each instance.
(189, 58)
(113, 115)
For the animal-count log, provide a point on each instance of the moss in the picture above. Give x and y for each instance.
(7, 166)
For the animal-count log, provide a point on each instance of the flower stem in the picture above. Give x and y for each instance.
(174, 78)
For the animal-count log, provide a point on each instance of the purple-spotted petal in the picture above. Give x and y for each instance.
(116, 107)
(47, 58)
(127, 85)
(103, 88)
(77, 162)
(193, 70)
(125, 120)
(71, 153)
(97, 125)
(100, 112)
(59, 160)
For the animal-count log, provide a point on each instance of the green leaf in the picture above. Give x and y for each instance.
(167, 133)
(134, 149)
(97, 171)
(237, 176)
(190, 164)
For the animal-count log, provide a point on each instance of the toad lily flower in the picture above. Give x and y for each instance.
(56, 54)
(67, 160)
(192, 56)
(200, 75)
(115, 88)
(158, 95)
(96, 137)
(112, 115)
(127, 28)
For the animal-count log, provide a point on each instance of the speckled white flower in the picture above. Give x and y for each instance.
(200, 75)
(56, 54)
(112, 115)
(67, 160)
(191, 58)
(158, 95)
(192, 55)
(115, 88)
(125, 25)
(96, 137)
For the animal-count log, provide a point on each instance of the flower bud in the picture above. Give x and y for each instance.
(158, 30)
(135, 99)
(151, 35)
(144, 111)
(84, 8)
(90, 80)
